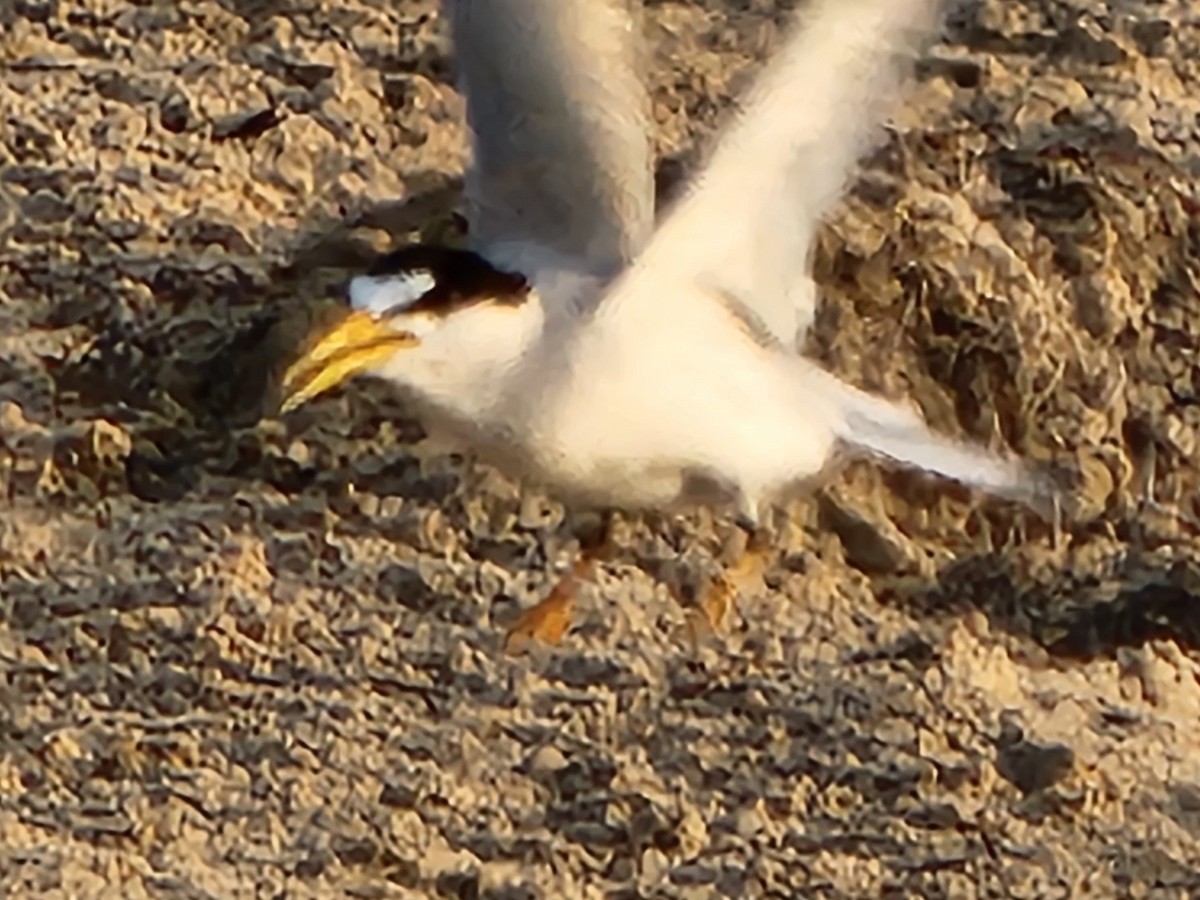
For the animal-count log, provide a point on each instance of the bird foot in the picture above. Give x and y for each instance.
(710, 615)
(551, 618)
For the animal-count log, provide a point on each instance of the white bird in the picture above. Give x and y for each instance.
(620, 365)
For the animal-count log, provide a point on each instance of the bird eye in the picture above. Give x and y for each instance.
(384, 295)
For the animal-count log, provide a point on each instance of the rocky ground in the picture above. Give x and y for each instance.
(245, 656)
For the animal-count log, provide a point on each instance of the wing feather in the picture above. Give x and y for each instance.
(746, 223)
(558, 112)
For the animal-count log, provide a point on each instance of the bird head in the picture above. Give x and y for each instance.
(413, 313)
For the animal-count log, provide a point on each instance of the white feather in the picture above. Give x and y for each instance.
(747, 222)
(559, 117)
(384, 294)
(629, 401)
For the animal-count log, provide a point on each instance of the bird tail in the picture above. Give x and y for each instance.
(879, 428)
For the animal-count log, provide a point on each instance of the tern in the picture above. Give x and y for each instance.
(624, 361)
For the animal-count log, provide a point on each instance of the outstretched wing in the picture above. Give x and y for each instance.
(558, 112)
(746, 225)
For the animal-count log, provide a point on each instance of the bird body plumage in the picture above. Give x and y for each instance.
(652, 366)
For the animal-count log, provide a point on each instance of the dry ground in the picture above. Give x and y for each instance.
(251, 657)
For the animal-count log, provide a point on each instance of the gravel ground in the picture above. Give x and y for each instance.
(251, 657)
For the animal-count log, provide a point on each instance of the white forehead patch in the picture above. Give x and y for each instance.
(381, 294)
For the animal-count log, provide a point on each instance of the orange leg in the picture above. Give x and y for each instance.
(709, 616)
(550, 619)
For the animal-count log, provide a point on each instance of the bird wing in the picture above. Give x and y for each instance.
(745, 226)
(558, 113)
(742, 233)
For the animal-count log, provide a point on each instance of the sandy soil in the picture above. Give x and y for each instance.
(251, 657)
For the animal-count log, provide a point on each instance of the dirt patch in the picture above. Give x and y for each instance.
(247, 656)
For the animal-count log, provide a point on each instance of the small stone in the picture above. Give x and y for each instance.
(460, 885)
(897, 732)
(398, 91)
(354, 851)
(46, 206)
(311, 866)
(175, 113)
(398, 796)
(306, 74)
(1151, 36)
(594, 834)
(1034, 767)
(872, 546)
(405, 585)
(749, 821)
(934, 816)
(246, 125)
(693, 874)
(546, 760)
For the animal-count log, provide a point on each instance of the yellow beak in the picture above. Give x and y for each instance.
(355, 343)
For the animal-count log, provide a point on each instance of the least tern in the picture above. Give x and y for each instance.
(619, 363)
